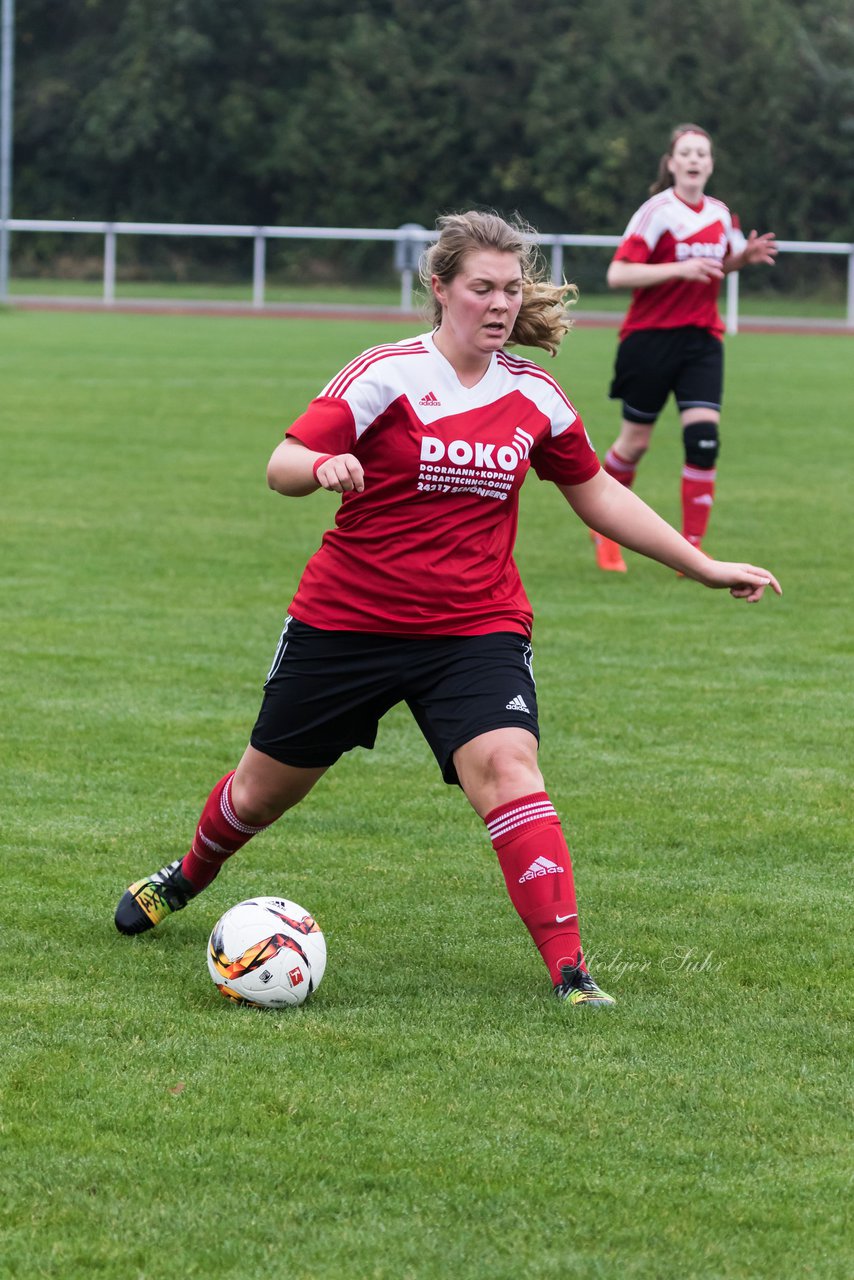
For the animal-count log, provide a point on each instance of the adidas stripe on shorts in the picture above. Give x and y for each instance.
(327, 691)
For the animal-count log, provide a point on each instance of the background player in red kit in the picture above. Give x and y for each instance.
(676, 250)
(414, 595)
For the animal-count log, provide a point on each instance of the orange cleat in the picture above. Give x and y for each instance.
(608, 553)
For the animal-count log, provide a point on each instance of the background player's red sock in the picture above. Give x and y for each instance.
(220, 833)
(620, 468)
(532, 853)
(698, 495)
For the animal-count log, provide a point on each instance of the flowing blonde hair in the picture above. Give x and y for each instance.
(542, 320)
(665, 177)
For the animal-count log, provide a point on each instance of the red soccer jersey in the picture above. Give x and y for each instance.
(427, 547)
(667, 229)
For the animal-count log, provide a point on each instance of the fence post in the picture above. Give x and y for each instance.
(259, 258)
(406, 289)
(732, 302)
(849, 311)
(557, 263)
(110, 264)
(407, 257)
(7, 45)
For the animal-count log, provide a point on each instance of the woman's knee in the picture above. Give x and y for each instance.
(254, 805)
(263, 789)
(633, 441)
(510, 770)
(499, 767)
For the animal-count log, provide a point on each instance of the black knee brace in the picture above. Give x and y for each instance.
(701, 445)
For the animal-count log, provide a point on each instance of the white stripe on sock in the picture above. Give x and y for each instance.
(522, 816)
(231, 817)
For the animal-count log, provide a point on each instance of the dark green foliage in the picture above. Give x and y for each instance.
(323, 113)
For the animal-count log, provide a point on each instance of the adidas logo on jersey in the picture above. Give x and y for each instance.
(431, 400)
(517, 704)
(541, 867)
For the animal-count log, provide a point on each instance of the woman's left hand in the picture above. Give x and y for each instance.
(760, 249)
(745, 581)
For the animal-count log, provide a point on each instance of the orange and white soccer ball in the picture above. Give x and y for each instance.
(267, 952)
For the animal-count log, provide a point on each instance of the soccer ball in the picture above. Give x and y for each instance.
(267, 952)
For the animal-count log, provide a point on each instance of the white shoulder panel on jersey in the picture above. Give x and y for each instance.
(665, 212)
(381, 375)
(734, 234)
(737, 239)
(375, 379)
(651, 219)
(540, 387)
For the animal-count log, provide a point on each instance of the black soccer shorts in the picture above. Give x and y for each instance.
(653, 362)
(327, 691)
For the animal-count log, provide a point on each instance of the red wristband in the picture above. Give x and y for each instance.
(324, 457)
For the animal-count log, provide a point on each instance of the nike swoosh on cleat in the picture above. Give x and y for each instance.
(573, 915)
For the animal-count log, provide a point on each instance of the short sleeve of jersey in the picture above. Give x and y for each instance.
(562, 452)
(642, 234)
(737, 240)
(326, 426)
(566, 456)
(352, 400)
(633, 249)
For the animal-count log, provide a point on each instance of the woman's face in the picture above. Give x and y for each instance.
(691, 162)
(481, 303)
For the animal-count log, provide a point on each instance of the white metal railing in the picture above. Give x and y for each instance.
(409, 241)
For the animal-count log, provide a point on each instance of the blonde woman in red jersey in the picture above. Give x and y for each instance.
(674, 254)
(414, 595)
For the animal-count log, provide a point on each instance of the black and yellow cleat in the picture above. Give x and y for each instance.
(147, 902)
(578, 988)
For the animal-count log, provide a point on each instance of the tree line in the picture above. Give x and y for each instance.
(334, 113)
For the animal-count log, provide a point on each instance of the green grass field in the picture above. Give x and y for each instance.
(432, 1113)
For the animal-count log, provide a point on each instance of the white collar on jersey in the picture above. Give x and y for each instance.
(428, 340)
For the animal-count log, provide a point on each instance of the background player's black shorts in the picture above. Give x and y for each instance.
(327, 691)
(653, 362)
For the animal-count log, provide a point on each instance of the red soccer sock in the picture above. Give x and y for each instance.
(533, 856)
(620, 468)
(698, 495)
(220, 833)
